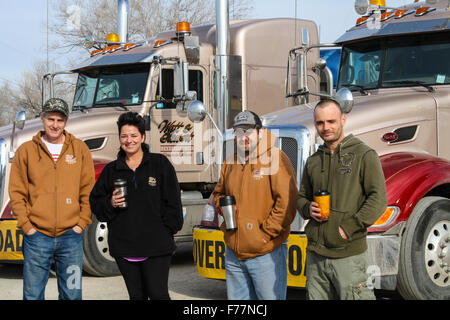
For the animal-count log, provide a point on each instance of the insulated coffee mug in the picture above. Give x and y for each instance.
(121, 184)
(227, 205)
(322, 197)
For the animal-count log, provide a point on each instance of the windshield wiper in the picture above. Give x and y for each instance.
(81, 108)
(412, 82)
(113, 104)
(361, 89)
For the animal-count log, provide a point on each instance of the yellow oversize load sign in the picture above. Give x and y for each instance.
(11, 240)
(209, 256)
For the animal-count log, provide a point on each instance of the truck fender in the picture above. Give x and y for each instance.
(411, 176)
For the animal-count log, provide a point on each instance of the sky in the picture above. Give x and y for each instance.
(24, 40)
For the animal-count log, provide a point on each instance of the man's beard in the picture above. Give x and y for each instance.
(245, 153)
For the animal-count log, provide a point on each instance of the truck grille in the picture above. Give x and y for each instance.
(289, 146)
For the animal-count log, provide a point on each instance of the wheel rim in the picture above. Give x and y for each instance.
(437, 254)
(101, 240)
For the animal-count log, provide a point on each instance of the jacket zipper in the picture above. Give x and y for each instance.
(240, 197)
(56, 184)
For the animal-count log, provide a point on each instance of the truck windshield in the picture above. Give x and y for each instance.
(111, 86)
(401, 61)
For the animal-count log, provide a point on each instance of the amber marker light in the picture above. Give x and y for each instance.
(94, 52)
(159, 43)
(423, 10)
(112, 37)
(129, 46)
(389, 216)
(183, 26)
(387, 15)
(361, 20)
(400, 13)
(378, 2)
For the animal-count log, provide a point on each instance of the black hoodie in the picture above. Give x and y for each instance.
(154, 212)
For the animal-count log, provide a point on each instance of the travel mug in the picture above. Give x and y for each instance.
(227, 205)
(121, 184)
(322, 197)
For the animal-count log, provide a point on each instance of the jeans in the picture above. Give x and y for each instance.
(67, 253)
(263, 277)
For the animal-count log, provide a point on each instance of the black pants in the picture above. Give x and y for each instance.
(146, 279)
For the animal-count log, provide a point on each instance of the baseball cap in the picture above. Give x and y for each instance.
(247, 118)
(56, 105)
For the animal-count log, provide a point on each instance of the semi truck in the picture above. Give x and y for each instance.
(239, 63)
(394, 85)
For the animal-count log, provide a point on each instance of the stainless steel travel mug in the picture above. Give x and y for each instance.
(227, 205)
(121, 184)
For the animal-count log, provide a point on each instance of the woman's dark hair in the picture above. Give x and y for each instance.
(132, 119)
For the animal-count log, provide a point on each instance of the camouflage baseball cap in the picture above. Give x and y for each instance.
(56, 105)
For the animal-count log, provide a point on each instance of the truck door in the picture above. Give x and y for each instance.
(175, 136)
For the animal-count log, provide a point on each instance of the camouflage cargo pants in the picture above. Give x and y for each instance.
(337, 279)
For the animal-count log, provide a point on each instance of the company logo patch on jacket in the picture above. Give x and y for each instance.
(151, 181)
(258, 174)
(70, 159)
(346, 161)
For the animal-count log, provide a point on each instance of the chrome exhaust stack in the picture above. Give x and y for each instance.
(123, 10)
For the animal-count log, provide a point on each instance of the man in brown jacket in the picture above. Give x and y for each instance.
(262, 181)
(51, 179)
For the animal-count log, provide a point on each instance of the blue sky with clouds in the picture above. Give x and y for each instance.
(24, 40)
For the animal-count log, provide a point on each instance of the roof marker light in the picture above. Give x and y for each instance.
(159, 43)
(129, 46)
(361, 20)
(403, 12)
(423, 10)
(95, 52)
(111, 48)
(387, 15)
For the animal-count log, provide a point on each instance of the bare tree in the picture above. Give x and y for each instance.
(28, 94)
(74, 20)
(8, 107)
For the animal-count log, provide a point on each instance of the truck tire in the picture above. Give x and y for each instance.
(424, 271)
(97, 260)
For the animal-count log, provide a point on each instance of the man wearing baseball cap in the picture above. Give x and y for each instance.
(262, 180)
(51, 179)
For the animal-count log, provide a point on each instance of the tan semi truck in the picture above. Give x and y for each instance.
(395, 62)
(241, 64)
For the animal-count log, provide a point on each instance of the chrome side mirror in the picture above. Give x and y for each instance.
(361, 7)
(345, 98)
(20, 119)
(197, 112)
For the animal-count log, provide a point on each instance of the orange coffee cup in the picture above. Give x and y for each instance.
(322, 197)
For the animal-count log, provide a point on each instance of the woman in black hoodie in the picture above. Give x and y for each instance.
(140, 236)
